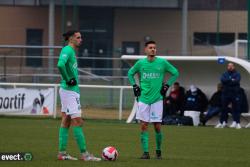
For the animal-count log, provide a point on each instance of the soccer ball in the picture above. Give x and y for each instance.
(109, 153)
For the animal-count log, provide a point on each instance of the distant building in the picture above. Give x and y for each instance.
(114, 27)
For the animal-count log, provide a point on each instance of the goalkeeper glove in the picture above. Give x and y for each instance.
(71, 82)
(137, 90)
(164, 89)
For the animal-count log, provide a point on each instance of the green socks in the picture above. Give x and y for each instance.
(144, 141)
(63, 138)
(158, 139)
(79, 137)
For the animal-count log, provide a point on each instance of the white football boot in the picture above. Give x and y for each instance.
(89, 157)
(65, 156)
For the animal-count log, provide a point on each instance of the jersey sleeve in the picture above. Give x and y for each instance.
(173, 71)
(64, 56)
(132, 71)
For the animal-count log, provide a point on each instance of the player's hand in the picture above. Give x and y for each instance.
(72, 82)
(164, 89)
(137, 90)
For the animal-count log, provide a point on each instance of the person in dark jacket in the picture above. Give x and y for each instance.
(195, 100)
(244, 101)
(214, 105)
(231, 94)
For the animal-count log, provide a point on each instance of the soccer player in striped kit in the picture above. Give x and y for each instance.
(150, 92)
(70, 99)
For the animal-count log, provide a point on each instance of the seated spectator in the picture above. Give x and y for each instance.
(195, 100)
(214, 105)
(173, 103)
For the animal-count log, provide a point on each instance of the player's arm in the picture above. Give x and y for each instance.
(64, 56)
(131, 73)
(173, 71)
(174, 75)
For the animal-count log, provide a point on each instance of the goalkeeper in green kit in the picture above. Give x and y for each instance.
(70, 99)
(150, 92)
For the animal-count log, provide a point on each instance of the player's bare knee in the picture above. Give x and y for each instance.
(66, 121)
(77, 121)
(157, 127)
(144, 126)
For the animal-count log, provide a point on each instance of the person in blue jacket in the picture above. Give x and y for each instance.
(231, 94)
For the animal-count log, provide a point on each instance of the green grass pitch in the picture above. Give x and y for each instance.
(182, 146)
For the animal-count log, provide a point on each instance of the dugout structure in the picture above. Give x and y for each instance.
(203, 71)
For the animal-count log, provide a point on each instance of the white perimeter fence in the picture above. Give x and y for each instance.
(120, 90)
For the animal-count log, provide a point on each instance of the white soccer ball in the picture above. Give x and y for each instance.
(109, 153)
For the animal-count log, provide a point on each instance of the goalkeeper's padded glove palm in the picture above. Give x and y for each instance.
(71, 82)
(137, 90)
(164, 89)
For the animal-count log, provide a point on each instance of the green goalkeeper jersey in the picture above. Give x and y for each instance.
(151, 77)
(67, 65)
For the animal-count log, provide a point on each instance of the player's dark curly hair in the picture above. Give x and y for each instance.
(68, 34)
(149, 42)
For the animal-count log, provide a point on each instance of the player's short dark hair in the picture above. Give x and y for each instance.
(177, 83)
(149, 42)
(68, 34)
